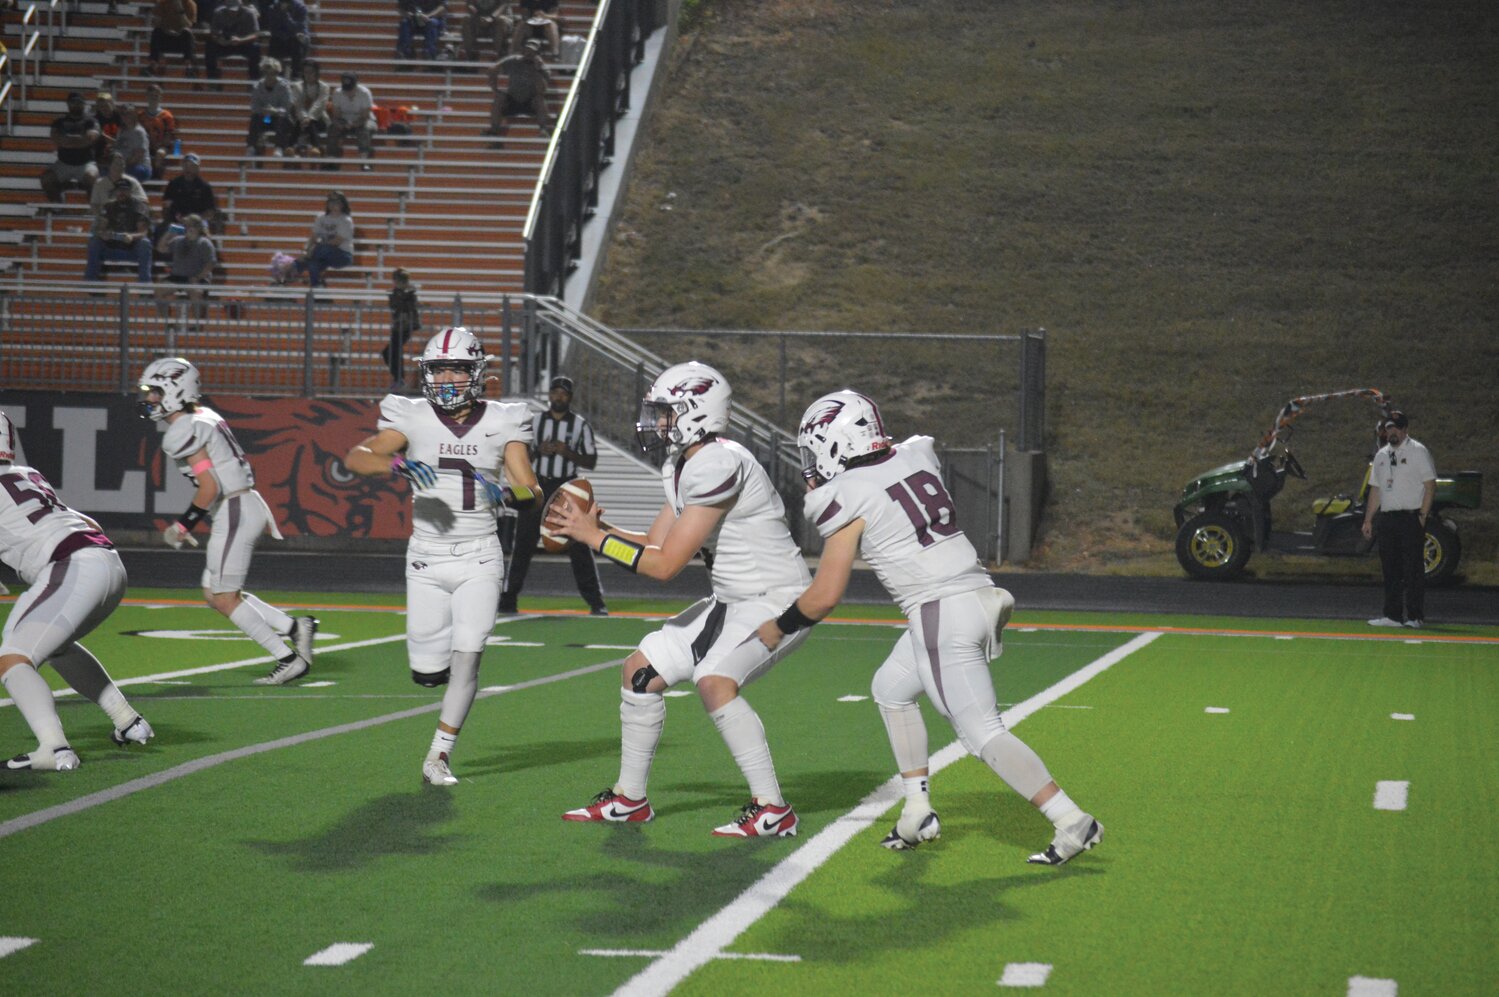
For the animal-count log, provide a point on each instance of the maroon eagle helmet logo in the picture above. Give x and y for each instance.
(692, 386)
(823, 416)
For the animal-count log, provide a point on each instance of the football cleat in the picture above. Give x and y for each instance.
(303, 630)
(912, 829)
(1384, 621)
(136, 731)
(1414, 624)
(760, 820)
(63, 759)
(436, 772)
(610, 806)
(284, 672)
(1070, 842)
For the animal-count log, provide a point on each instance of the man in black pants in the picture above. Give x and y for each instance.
(563, 444)
(1402, 484)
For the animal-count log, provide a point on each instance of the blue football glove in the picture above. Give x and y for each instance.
(496, 494)
(420, 475)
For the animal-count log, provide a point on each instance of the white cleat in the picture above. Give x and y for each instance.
(284, 672)
(912, 829)
(1384, 621)
(303, 630)
(435, 771)
(63, 759)
(136, 732)
(1070, 842)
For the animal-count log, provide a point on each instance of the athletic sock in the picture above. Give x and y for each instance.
(642, 715)
(280, 620)
(34, 699)
(1014, 762)
(463, 686)
(81, 670)
(742, 731)
(442, 743)
(917, 797)
(907, 733)
(248, 619)
(1061, 811)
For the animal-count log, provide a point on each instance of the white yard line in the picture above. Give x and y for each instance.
(338, 953)
(1366, 986)
(717, 933)
(242, 663)
(1391, 795)
(654, 953)
(9, 945)
(124, 789)
(1025, 974)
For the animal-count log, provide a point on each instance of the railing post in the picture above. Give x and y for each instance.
(458, 308)
(124, 340)
(999, 494)
(307, 316)
(507, 359)
(783, 382)
(1032, 390)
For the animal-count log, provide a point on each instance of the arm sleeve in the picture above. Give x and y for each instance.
(1428, 467)
(585, 439)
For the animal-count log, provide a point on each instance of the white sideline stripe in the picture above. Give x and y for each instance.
(38, 817)
(1369, 986)
(10, 945)
(315, 685)
(711, 937)
(1391, 795)
(1215, 709)
(1025, 974)
(206, 669)
(338, 953)
(654, 953)
(1402, 716)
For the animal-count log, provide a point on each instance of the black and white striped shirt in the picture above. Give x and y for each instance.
(573, 430)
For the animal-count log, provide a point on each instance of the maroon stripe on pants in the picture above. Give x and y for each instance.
(233, 529)
(54, 582)
(931, 618)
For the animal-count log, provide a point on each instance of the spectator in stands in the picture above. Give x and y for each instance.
(108, 116)
(235, 30)
(191, 259)
(104, 188)
(487, 25)
(524, 90)
(420, 18)
(351, 113)
(74, 134)
(270, 110)
(132, 142)
(189, 194)
(405, 318)
(309, 109)
(122, 231)
(537, 17)
(161, 128)
(290, 41)
(171, 31)
(331, 246)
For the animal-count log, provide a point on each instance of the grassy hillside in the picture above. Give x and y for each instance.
(1210, 209)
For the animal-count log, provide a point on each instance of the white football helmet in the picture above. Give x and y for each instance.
(176, 379)
(7, 440)
(836, 429)
(685, 405)
(454, 348)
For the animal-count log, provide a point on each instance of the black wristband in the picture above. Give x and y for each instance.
(622, 552)
(793, 619)
(191, 518)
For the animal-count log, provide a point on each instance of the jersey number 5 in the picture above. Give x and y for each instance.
(927, 505)
(37, 490)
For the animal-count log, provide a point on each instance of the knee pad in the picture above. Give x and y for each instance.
(431, 680)
(642, 678)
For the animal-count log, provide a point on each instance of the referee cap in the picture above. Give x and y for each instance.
(565, 383)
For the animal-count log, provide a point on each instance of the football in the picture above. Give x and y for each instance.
(577, 493)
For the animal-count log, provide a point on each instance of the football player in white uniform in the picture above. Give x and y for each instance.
(453, 447)
(205, 450)
(76, 580)
(718, 499)
(889, 503)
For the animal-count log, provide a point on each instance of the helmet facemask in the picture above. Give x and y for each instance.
(656, 429)
(175, 379)
(451, 395)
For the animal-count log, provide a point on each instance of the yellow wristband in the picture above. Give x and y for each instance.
(621, 551)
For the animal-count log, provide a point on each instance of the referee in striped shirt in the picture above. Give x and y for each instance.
(562, 444)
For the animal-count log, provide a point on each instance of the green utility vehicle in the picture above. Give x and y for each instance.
(1225, 514)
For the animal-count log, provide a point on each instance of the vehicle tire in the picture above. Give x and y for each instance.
(1443, 552)
(1212, 546)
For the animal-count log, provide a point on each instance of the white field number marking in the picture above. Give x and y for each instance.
(1215, 709)
(1366, 986)
(1391, 795)
(1025, 974)
(1402, 716)
(10, 945)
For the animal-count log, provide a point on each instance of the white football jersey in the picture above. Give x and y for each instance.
(752, 549)
(34, 524)
(456, 508)
(911, 536)
(205, 429)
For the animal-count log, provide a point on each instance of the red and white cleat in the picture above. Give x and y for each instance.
(760, 820)
(610, 806)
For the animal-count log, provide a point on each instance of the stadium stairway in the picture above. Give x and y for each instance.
(444, 201)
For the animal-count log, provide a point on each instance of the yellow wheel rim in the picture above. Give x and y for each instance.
(1212, 546)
